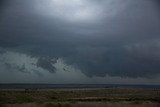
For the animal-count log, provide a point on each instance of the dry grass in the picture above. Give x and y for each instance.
(59, 104)
(89, 104)
(57, 98)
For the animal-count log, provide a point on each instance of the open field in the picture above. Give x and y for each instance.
(109, 97)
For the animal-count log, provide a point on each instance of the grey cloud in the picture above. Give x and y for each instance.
(47, 64)
(2, 5)
(114, 45)
(13, 68)
(38, 73)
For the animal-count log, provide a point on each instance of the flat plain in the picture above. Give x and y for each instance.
(107, 97)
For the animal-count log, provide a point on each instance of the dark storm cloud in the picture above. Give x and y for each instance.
(2, 4)
(157, 2)
(46, 63)
(117, 45)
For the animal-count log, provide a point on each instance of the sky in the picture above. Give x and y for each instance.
(80, 41)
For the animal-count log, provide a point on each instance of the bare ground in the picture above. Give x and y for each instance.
(90, 104)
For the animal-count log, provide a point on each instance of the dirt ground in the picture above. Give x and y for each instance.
(92, 104)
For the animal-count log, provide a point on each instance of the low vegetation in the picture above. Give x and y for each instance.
(58, 104)
(68, 98)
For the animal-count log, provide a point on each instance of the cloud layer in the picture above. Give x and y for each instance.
(96, 38)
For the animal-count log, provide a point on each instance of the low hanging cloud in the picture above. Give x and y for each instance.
(16, 62)
(97, 38)
(64, 73)
(134, 60)
(47, 64)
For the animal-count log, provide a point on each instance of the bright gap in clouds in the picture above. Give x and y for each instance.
(71, 10)
(79, 10)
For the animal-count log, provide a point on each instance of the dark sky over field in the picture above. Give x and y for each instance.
(80, 41)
